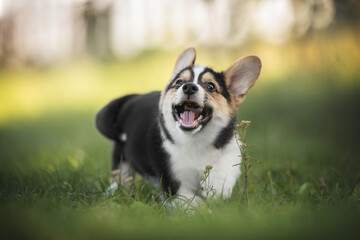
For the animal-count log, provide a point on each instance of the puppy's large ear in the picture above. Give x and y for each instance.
(241, 76)
(186, 59)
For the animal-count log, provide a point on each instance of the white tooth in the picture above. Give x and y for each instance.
(200, 117)
(181, 115)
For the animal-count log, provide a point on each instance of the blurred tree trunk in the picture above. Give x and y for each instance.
(97, 31)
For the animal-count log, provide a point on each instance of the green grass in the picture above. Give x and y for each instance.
(54, 172)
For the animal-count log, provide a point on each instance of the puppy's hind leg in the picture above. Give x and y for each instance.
(115, 165)
(121, 172)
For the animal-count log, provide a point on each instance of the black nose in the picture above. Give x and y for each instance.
(190, 88)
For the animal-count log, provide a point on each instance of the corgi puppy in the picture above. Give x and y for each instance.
(177, 136)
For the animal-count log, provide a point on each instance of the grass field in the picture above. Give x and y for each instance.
(54, 166)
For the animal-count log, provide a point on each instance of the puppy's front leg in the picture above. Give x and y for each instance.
(220, 181)
(186, 198)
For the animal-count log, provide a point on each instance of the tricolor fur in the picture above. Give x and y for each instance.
(172, 136)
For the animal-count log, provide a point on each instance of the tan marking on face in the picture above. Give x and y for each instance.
(220, 104)
(186, 75)
(209, 77)
(234, 102)
(168, 96)
(217, 99)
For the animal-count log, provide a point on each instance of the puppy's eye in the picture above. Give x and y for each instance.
(179, 83)
(210, 87)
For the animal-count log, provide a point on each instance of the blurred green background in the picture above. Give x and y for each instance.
(61, 61)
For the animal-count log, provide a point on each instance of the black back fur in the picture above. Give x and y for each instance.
(137, 116)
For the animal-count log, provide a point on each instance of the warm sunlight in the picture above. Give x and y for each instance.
(255, 134)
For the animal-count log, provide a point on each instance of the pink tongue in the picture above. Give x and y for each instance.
(188, 118)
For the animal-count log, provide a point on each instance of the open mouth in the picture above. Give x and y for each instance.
(190, 115)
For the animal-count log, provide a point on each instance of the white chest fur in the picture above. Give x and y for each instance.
(189, 159)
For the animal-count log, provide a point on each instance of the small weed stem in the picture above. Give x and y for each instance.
(247, 161)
